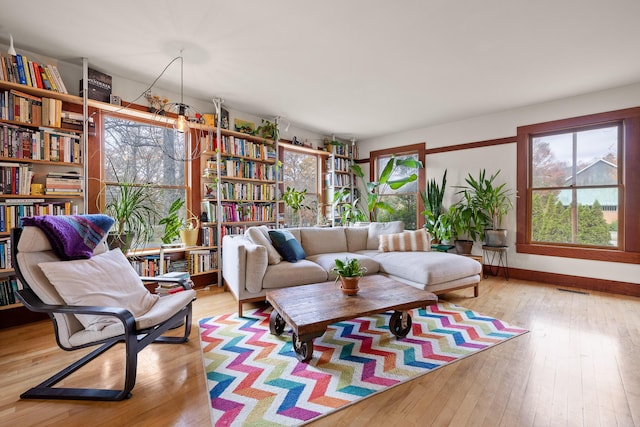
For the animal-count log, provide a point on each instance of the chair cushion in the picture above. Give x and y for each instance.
(106, 280)
(318, 240)
(418, 240)
(287, 245)
(260, 236)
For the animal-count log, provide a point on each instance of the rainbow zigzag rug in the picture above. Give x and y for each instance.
(254, 378)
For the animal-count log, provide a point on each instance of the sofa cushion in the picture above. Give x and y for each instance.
(429, 268)
(288, 274)
(378, 228)
(287, 245)
(418, 240)
(317, 240)
(356, 238)
(328, 261)
(260, 236)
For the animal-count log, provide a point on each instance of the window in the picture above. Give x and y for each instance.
(405, 202)
(143, 153)
(300, 171)
(578, 195)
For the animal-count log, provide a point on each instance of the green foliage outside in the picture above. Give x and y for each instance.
(552, 222)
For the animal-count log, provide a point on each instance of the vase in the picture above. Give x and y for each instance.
(189, 236)
(349, 285)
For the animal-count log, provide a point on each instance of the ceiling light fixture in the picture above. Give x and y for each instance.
(181, 122)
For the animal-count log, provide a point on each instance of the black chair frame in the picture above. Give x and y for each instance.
(135, 340)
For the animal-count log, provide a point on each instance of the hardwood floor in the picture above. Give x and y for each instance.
(578, 365)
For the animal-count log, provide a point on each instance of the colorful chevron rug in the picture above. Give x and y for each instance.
(254, 378)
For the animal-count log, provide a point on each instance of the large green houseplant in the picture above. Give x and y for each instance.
(437, 221)
(374, 189)
(134, 208)
(491, 202)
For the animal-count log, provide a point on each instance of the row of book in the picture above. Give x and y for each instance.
(340, 164)
(12, 211)
(346, 150)
(63, 183)
(239, 168)
(19, 69)
(202, 260)
(22, 107)
(208, 235)
(233, 146)
(260, 212)
(8, 288)
(247, 191)
(15, 178)
(5, 254)
(40, 144)
(338, 180)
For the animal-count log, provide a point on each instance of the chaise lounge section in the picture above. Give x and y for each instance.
(251, 264)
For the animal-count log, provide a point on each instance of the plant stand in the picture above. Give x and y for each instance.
(496, 256)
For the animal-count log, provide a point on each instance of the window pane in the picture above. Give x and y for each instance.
(597, 153)
(300, 171)
(405, 208)
(577, 216)
(551, 160)
(399, 172)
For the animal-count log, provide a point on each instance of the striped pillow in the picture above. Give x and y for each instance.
(407, 241)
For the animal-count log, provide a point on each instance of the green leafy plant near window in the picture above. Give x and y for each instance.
(350, 213)
(437, 221)
(295, 200)
(172, 222)
(375, 189)
(267, 130)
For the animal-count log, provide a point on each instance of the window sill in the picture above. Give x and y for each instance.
(609, 255)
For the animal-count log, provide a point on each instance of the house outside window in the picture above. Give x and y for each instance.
(578, 194)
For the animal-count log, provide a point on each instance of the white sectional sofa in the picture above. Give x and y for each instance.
(251, 265)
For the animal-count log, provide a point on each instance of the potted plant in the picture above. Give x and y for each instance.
(133, 207)
(432, 197)
(349, 273)
(350, 213)
(492, 202)
(466, 225)
(295, 200)
(267, 130)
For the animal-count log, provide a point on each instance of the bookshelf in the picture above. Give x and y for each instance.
(42, 148)
(239, 176)
(339, 177)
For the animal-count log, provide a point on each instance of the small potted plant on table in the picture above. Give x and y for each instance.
(349, 273)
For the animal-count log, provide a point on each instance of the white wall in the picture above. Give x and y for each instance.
(503, 157)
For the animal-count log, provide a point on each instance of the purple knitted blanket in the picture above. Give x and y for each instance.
(72, 236)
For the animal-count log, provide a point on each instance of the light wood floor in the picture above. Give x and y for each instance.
(578, 365)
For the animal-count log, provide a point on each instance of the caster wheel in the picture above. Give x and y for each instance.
(303, 349)
(276, 323)
(400, 324)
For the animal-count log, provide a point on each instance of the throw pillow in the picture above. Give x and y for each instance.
(418, 240)
(102, 280)
(378, 228)
(287, 245)
(260, 236)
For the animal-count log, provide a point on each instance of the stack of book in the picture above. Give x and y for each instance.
(63, 183)
(168, 288)
(19, 69)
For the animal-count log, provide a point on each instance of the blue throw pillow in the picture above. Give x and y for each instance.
(287, 245)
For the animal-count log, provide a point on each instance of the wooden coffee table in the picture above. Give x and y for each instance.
(309, 309)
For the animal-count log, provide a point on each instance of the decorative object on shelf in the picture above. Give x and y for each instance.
(268, 130)
(244, 126)
(189, 231)
(157, 104)
(99, 86)
(349, 273)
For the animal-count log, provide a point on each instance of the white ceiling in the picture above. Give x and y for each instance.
(353, 68)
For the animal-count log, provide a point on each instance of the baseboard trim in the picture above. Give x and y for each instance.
(589, 283)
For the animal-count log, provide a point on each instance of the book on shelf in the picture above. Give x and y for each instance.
(98, 86)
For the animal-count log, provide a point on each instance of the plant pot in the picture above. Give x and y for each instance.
(349, 285)
(463, 247)
(122, 241)
(189, 236)
(495, 237)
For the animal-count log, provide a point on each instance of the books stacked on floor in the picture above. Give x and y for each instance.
(63, 184)
(168, 288)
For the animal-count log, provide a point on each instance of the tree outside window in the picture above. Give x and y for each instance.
(404, 201)
(145, 154)
(300, 172)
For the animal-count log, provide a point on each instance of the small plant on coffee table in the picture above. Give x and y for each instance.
(349, 273)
